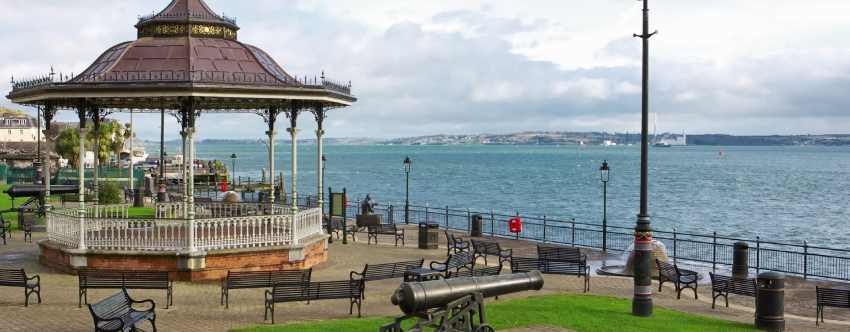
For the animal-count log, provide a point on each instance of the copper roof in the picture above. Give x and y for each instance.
(185, 48)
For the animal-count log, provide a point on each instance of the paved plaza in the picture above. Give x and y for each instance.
(196, 306)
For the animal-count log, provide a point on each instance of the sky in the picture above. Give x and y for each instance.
(475, 66)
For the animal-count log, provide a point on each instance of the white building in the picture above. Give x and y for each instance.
(17, 127)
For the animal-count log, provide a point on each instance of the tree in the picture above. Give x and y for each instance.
(68, 145)
(112, 136)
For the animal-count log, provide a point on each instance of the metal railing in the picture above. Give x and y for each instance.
(712, 250)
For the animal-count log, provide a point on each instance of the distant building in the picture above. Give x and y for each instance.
(17, 127)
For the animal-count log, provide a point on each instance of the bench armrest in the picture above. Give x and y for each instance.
(268, 295)
(510, 252)
(151, 309)
(437, 266)
(36, 278)
(354, 275)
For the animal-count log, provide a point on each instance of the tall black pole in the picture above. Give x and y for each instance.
(605, 216)
(642, 301)
(407, 197)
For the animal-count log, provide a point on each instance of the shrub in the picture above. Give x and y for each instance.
(110, 193)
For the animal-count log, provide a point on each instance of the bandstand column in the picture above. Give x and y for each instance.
(319, 112)
(82, 177)
(47, 114)
(96, 117)
(293, 133)
(189, 122)
(183, 132)
(271, 118)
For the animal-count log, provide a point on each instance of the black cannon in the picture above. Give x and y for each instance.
(450, 305)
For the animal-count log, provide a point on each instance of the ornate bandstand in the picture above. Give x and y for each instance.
(187, 62)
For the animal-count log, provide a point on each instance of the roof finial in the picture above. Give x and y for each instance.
(13, 79)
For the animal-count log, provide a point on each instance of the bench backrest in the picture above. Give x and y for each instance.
(833, 297)
(382, 228)
(16, 278)
(733, 285)
(266, 279)
(89, 278)
(560, 253)
(667, 269)
(486, 247)
(393, 270)
(323, 290)
(459, 260)
(111, 307)
(477, 271)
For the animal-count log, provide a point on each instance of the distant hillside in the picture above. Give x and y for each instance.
(599, 138)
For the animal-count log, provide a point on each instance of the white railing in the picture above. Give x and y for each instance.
(208, 210)
(63, 227)
(169, 210)
(108, 211)
(307, 223)
(243, 232)
(164, 234)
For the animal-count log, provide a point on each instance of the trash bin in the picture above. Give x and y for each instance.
(137, 198)
(770, 302)
(740, 256)
(475, 229)
(429, 234)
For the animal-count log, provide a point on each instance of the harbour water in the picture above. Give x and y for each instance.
(787, 194)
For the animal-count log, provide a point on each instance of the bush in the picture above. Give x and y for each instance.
(110, 193)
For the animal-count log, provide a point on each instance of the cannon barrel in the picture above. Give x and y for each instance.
(413, 297)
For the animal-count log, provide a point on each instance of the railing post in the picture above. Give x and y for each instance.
(758, 255)
(390, 217)
(544, 229)
(675, 253)
(447, 217)
(517, 234)
(805, 260)
(492, 223)
(573, 232)
(468, 220)
(427, 220)
(714, 252)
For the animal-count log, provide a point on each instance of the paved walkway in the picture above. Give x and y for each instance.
(196, 306)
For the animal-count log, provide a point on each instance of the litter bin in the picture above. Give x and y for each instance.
(740, 255)
(137, 198)
(770, 302)
(475, 229)
(429, 234)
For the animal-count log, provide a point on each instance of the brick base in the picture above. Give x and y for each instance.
(214, 266)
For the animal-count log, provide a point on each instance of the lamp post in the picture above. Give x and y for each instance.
(233, 158)
(604, 177)
(324, 163)
(408, 164)
(642, 300)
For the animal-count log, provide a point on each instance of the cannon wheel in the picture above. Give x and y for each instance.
(485, 328)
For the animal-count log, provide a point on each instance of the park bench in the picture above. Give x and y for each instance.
(831, 297)
(116, 313)
(26, 222)
(385, 229)
(5, 230)
(724, 285)
(455, 244)
(116, 279)
(455, 264)
(555, 260)
(487, 248)
(681, 278)
(260, 279)
(383, 271)
(18, 278)
(313, 291)
(477, 271)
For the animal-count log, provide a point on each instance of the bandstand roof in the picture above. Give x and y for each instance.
(185, 50)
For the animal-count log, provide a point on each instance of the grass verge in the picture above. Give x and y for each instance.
(580, 313)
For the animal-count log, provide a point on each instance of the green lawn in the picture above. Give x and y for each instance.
(580, 313)
(141, 213)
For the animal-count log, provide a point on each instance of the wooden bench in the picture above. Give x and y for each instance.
(312, 291)
(487, 248)
(455, 264)
(831, 297)
(260, 279)
(455, 244)
(116, 313)
(681, 278)
(555, 260)
(385, 229)
(383, 271)
(116, 279)
(724, 285)
(18, 278)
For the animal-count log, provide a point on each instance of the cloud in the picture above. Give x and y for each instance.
(464, 67)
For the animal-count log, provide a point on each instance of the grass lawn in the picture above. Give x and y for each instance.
(141, 213)
(580, 313)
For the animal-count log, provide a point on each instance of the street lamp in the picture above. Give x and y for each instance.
(408, 164)
(233, 158)
(604, 177)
